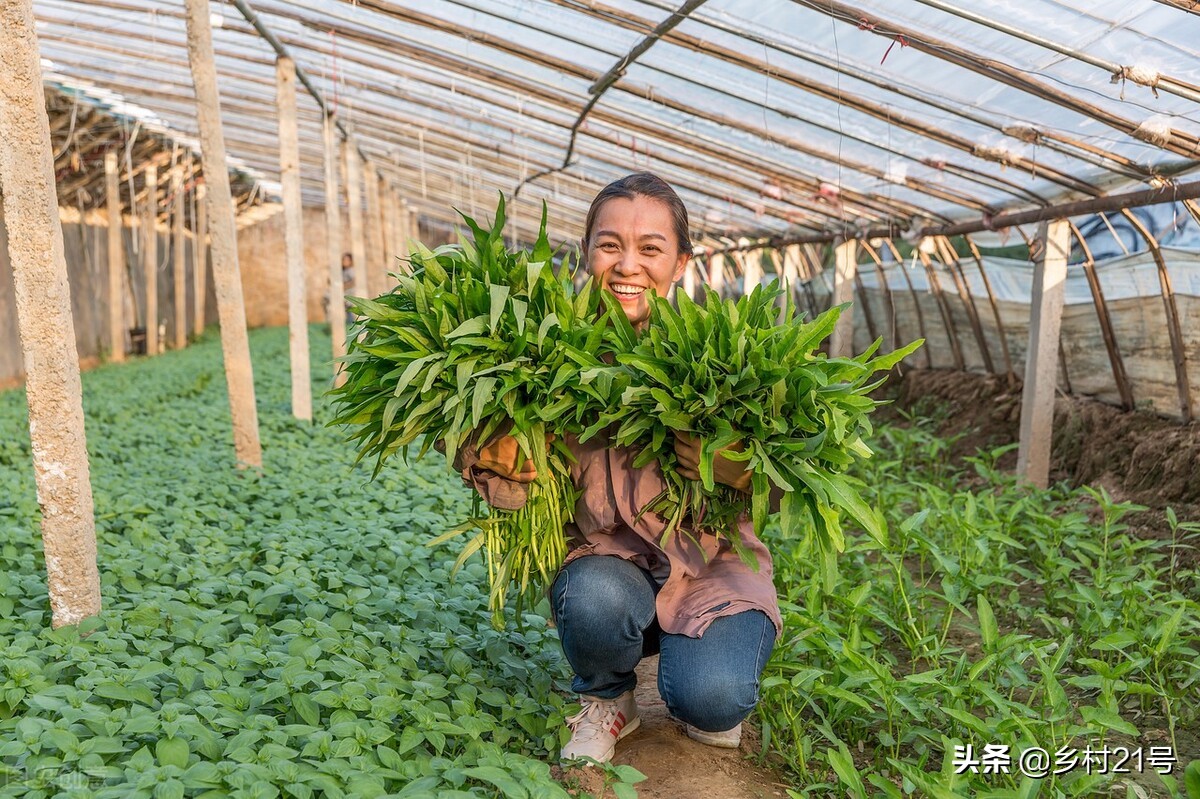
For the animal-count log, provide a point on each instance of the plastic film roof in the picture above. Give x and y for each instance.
(770, 117)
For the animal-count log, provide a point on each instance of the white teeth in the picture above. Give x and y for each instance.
(628, 290)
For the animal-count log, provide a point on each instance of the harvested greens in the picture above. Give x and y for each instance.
(478, 341)
(732, 371)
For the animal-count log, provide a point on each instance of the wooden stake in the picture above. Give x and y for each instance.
(235, 346)
(376, 259)
(1105, 319)
(180, 260)
(1041, 359)
(333, 252)
(47, 330)
(116, 261)
(1174, 330)
(150, 258)
(200, 259)
(935, 286)
(358, 243)
(716, 273)
(841, 343)
(293, 220)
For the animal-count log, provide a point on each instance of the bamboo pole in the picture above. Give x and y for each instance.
(150, 258)
(891, 245)
(352, 166)
(179, 260)
(43, 300)
(200, 259)
(1105, 320)
(987, 284)
(935, 286)
(116, 260)
(892, 334)
(333, 252)
(1174, 330)
(1041, 367)
(949, 257)
(293, 220)
(235, 345)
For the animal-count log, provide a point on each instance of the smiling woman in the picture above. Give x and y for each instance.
(625, 591)
(636, 239)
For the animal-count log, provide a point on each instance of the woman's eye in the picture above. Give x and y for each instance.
(652, 250)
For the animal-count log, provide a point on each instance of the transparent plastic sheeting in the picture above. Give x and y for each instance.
(814, 111)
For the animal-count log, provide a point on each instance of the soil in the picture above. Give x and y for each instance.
(1136, 456)
(675, 766)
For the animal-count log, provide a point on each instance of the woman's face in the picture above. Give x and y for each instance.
(632, 250)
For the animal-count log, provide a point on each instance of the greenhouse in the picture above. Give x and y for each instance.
(590, 398)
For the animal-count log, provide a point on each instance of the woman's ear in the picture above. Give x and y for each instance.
(680, 266)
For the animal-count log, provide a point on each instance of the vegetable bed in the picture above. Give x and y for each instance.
(283, 634)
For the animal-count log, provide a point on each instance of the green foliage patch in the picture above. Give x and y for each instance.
(275, 634)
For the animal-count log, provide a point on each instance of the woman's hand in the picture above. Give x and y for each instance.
(503, 456)
(729, 472)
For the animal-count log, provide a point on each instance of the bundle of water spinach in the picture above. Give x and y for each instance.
(479, 340)
(735, 371)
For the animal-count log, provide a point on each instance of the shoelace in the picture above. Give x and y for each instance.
(602, 714)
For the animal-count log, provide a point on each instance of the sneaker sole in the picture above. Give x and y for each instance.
(721, 743)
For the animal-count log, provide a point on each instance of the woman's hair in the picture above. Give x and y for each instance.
(643, 184)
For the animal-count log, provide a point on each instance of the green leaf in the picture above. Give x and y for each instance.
(172, 752)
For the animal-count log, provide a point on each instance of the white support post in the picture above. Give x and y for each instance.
(43, 299)
(235, 345)
(116, 260)
(1041, 359)
(333, 252)
(841, 343)
(293, 221)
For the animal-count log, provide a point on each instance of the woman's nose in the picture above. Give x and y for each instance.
(627, 264)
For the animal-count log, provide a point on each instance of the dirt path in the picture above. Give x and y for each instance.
(677, 767)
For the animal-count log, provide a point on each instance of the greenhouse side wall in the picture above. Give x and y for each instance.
(84, 245)
(1135, 304)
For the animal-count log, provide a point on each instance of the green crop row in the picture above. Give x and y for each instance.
(276, 634)
(996, 614)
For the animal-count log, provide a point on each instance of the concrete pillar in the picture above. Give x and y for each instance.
(116, 260)
(293, 220)
(1041, 359)
(841, 343)
(150, 258)
(751, 268)
(235, 346)
(333, 252)
(179, 259)
(47, 331)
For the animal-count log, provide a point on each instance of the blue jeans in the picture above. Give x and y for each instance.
(604, 610)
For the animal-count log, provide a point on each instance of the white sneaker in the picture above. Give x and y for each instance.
(596, 728)
(728, 739)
